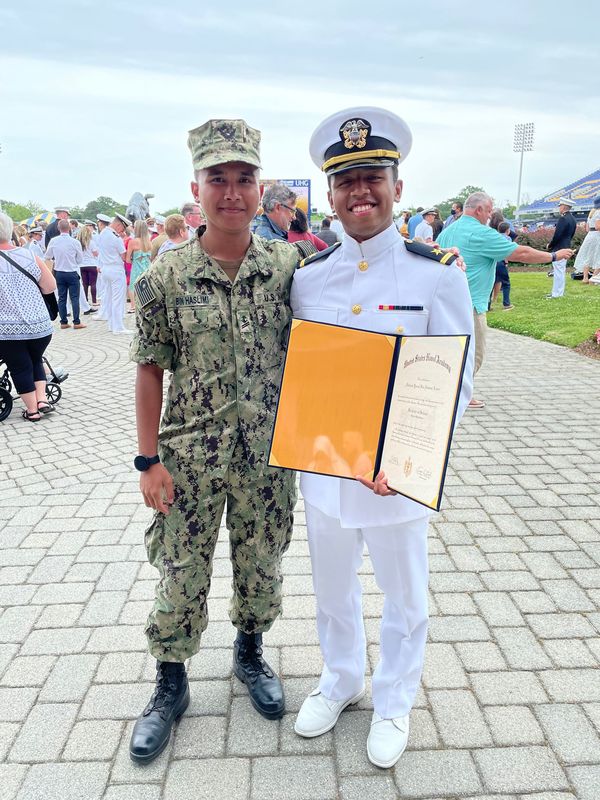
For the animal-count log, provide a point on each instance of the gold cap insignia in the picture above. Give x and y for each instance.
(354, 133)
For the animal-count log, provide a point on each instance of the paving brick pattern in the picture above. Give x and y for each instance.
(509, 708)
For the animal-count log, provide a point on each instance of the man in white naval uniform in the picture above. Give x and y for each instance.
(111, 260)
(103, 222)
(348, 284)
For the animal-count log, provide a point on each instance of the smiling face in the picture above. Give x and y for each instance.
(229, 195)
(363, 198)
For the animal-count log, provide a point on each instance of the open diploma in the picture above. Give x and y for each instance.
(355, 402)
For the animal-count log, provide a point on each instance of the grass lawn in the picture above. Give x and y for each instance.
(567, 320)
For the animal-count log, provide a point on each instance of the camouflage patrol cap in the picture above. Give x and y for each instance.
(220, 141)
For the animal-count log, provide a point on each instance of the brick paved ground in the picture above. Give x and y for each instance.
(510, 703)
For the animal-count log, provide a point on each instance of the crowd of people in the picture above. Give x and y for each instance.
(91, 266)
(95, 263)
(102, 266)
(426, 225)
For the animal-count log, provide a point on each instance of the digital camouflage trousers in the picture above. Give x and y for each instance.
(181, 546)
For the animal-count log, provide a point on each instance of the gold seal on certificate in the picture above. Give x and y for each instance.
(353, 402)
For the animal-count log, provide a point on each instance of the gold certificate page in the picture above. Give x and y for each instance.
(419, 424)
(332, 400)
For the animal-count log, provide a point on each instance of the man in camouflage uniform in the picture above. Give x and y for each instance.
(215, 313)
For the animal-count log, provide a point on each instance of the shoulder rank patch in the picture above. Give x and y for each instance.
(429, 251)
(318, 256)
(305, 248)
(144, 293)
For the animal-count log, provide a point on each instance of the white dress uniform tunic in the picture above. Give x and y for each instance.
(346, 288)
(35, 248)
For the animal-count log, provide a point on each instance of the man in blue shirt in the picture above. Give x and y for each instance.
(481, 247)
(415, 220)
(279, 206)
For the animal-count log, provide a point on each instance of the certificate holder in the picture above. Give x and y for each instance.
(353, 402)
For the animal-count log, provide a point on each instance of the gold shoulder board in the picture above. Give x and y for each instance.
(318, 256)
(429, 251)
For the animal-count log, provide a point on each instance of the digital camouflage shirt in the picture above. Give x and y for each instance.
(224, 344)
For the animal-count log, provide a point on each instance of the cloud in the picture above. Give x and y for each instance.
(116, 87)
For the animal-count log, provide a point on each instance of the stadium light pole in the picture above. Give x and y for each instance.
(523, 143)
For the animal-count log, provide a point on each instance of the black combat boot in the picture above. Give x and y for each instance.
(152, 730)
(264, 687)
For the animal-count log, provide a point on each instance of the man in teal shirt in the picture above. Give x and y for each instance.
(481, 247)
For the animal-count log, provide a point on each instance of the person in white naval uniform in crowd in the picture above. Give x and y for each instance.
(35, 242)
(359, 150)
(103, 221)
(111, 261)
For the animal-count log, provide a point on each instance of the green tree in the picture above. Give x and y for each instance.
(170, 211)
(103, 205)
(445, 205)
(466, 191)
(18, 211)
(77, 212)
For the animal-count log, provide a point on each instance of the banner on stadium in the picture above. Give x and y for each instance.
(582, 192)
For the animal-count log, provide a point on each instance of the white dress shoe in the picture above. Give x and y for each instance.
(318, 714)
(387, 740)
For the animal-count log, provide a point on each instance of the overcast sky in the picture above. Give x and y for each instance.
(97, 97)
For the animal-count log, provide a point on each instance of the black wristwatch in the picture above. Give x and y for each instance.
(142, 463)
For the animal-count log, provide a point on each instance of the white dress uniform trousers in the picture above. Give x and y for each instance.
(399, 558)
(558, 281)
(346, 288)
(100, 295)
(114, 295)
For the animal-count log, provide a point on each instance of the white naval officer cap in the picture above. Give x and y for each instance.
(360, 137)
(104, 218)
(122, 219)
(62, 208)
(566, 201)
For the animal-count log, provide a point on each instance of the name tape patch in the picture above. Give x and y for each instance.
(192, 300)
